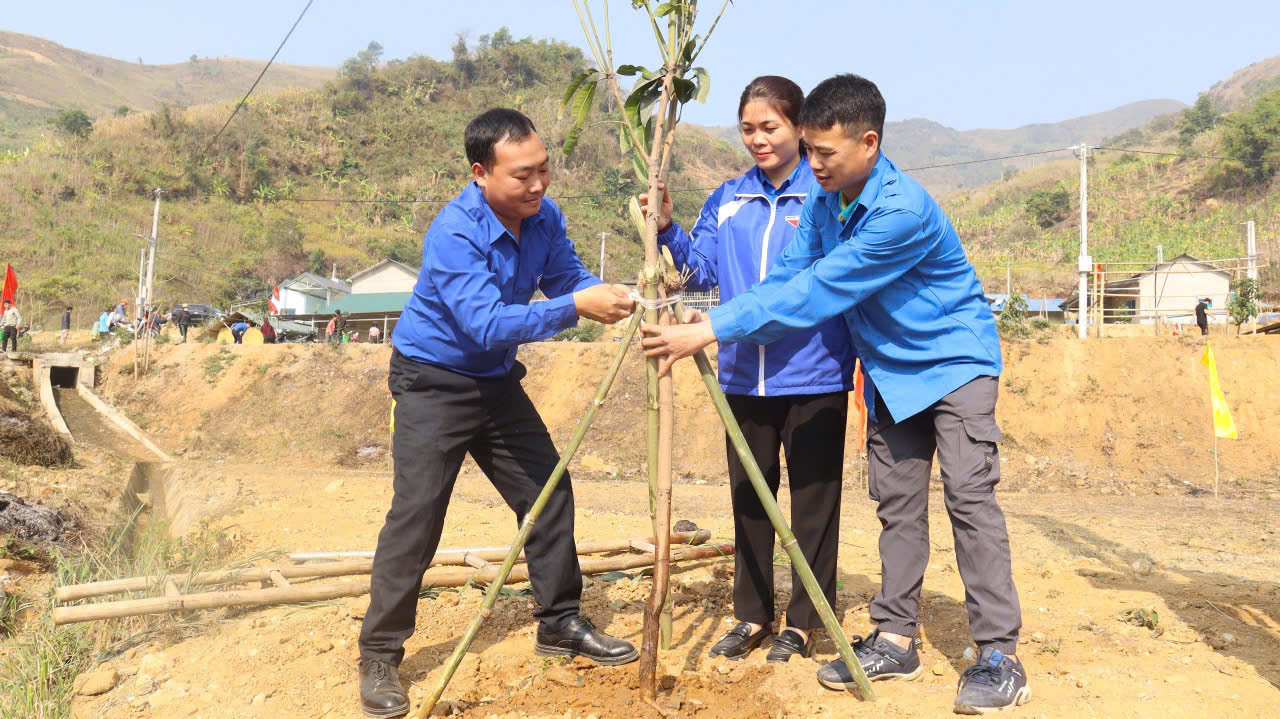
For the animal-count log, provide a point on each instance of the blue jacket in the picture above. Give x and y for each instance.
(743, 228)
(892, 265)
(470, 307)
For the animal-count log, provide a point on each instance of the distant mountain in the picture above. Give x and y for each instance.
(39, 77)
(919, 143)
(1247, 84)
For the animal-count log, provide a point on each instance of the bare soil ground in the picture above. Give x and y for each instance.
(1106, 468)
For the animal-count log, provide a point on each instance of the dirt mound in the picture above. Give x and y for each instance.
(1116, 416)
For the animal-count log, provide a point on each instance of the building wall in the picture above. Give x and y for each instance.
(293, 302)
(388, 278)
(1174, 291)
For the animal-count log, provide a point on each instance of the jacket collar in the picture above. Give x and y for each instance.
(473, 200)
(883, 173)
(754, 182)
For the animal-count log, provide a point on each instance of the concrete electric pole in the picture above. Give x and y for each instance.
(1086, 262)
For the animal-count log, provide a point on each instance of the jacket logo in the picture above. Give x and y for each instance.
(793, 220)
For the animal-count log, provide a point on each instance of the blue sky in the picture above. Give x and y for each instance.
(964, 64)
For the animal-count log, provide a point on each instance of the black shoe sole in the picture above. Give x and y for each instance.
(384, 713)
(1022, 697)
(853, 686)
(543, 650)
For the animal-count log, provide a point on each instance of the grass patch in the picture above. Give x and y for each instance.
(37, 677)
(586, 331)
(215, 364)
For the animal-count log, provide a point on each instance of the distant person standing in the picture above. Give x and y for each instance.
(268, 332)
(330, 330)
(1202, 315)
(10, 320)
(66, 326)
(104, 324)
(340, 323)
(180, 318)
(374, 334)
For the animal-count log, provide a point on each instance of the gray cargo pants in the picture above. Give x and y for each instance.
(961, 428)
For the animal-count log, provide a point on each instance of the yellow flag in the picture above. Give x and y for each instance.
(1223, 425)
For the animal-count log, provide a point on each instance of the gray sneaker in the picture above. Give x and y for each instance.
(881, 660)
(995, 683)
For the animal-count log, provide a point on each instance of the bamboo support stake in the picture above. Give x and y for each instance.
(453, 577)
(526, 526)
(785, 535)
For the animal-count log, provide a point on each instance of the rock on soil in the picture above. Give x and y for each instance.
(94, 683)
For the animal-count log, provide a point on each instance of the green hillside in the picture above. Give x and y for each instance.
(39, 77)
(1182, 200)
(257, 209)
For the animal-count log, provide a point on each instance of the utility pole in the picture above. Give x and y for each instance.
(142, 279)
(1086, 262)
(603, 235)
(1251, 249)
(151, 260)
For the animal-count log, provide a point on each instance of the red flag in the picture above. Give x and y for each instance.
(272, 307)
(860, 402)
(10, 292)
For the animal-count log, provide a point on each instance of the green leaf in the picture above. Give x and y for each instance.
(574, 84)
(687, 55)
(630, 70)
(640, 98)
(582, 105)
(628, 151)
(664, 9)
(683, 89)
(704, 84)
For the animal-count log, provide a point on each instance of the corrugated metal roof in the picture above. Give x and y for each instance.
(369, 302)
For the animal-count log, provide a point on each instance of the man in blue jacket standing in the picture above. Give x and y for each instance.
(456, 385)
(873, 246)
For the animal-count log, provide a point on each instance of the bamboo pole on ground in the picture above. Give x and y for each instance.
(785, 535)
(526, 526)
(354, 565)
(496, 554)
(443, 578)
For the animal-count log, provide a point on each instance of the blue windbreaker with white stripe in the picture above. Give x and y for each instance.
(742, 229)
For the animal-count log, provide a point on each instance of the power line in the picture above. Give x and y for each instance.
(1178, 154)
(986, 159)
(415, 200)
(255, 82)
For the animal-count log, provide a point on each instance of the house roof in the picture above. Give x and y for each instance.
(411, 270)
(311, 281)
(368, 302)
(1034, 304)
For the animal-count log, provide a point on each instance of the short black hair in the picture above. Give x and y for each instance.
(851, 100)
(491, 127)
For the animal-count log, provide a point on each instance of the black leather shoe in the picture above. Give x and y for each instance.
(788, 643)
(739, 642)
(380, 692)
(580, 638)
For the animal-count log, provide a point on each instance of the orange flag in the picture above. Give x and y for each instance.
(860, 401)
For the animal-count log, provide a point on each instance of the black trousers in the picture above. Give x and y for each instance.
(10, 335)
(961, 430)
(440, 417)
(810, 428)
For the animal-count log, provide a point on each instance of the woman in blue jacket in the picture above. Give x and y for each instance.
(791, 394)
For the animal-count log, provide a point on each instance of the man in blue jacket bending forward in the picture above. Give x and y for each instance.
(874, 247)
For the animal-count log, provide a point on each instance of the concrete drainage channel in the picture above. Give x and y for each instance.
(183, 493)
